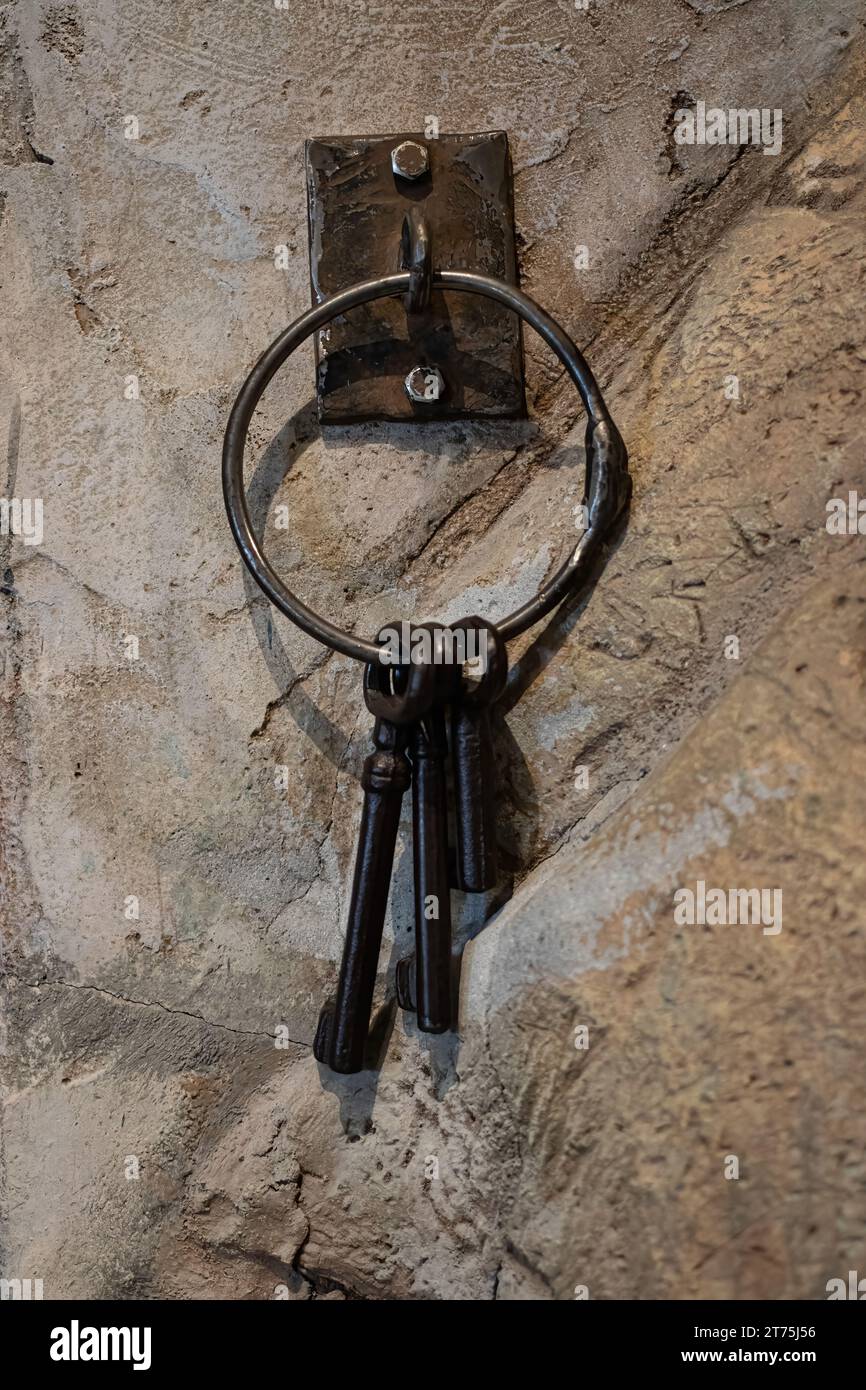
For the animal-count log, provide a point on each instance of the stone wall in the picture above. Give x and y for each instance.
(150, 692)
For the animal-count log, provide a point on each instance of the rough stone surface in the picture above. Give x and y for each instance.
(503, 1162)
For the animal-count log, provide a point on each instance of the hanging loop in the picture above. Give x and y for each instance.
(416, 256)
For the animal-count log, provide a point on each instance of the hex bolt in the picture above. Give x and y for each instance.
(409, 160)
(425, 385)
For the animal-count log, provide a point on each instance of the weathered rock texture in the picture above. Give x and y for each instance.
(175, 1045)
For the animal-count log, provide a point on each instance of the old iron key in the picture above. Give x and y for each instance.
(477, 860)
(424, 978)
(341, 1037)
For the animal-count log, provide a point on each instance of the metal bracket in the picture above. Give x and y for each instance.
(379, 204)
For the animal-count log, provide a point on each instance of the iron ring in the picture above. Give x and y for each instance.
(608, 482)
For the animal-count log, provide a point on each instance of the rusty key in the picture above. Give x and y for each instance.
(341, 1036)
(477, 861)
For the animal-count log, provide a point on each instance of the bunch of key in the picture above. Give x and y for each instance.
(423, 712)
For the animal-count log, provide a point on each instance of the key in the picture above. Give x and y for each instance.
(431, 989)
(424, 978)
(477, 860)
(341, 1036)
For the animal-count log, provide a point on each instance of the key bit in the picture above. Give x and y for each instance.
(404, 979)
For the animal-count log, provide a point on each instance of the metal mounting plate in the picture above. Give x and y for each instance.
(356, 205)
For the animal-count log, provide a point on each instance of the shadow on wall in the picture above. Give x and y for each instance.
(357, 1093)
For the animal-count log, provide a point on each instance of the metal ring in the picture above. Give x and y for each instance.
(608, 482)
(416, 256)
(403, 707)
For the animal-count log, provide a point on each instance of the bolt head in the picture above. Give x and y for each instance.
(425, 385)
(409, 160)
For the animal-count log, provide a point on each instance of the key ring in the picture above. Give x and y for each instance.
(608, 481)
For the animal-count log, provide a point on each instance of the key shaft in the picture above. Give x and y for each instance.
(341, 1037)
(474, 767)
(432, 992)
